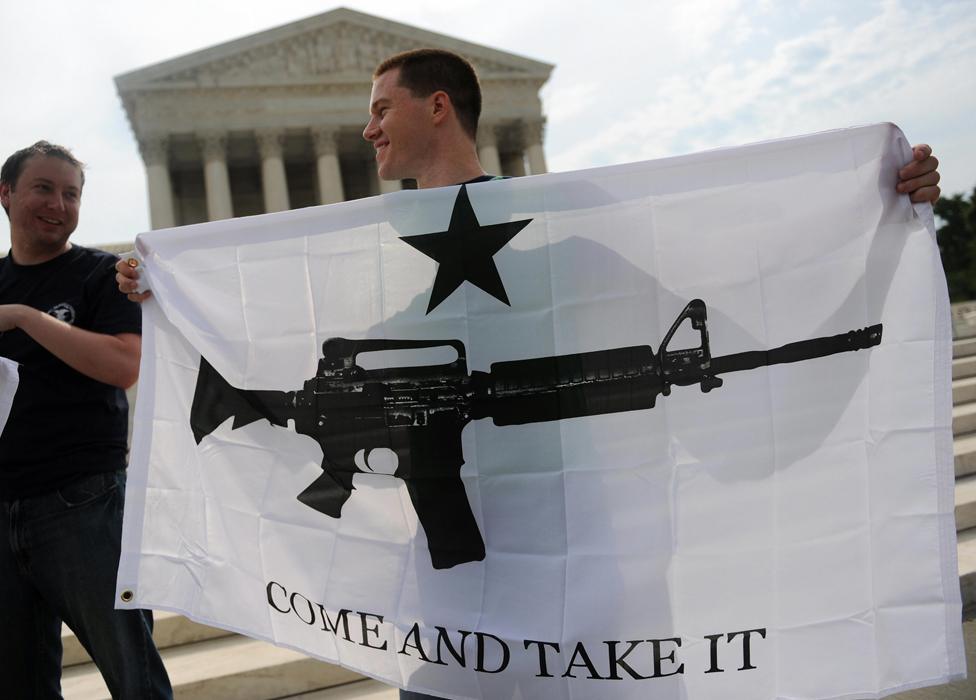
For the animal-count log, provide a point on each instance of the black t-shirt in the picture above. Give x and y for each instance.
(62, 424)
(483, 178)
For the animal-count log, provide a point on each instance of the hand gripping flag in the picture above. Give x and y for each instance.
(676, 429)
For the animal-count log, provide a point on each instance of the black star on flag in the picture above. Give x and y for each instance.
(465, 252)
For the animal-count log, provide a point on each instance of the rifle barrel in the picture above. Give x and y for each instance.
(799, 351)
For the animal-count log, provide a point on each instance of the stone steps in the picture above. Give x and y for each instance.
(228, 668)
(169, 629)
(964, 390)
(964, 367)
(964, 418)
(967, 573)
(964, 449)
(360, 690)
(966, 503)
(964, 347)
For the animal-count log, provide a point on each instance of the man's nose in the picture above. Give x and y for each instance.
(371, 130)
(57, 201)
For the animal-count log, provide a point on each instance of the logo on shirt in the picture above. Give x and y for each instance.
(63, 312)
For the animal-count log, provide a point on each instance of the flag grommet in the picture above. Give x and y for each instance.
(127, 596)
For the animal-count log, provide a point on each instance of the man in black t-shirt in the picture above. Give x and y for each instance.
(62, 450)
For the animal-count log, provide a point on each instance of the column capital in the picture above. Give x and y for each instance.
(326, 140)
(154, 149)
(270, 142)
(213, 144)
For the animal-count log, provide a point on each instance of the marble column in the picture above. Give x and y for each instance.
(273, 180)
(488, 150)
(514, 164)
(155, 154)
(215, 176)
(327, 165)
(536, 156)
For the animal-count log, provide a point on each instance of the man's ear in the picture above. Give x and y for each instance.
(441, 107)
(5, 194)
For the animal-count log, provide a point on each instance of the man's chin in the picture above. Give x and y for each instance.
(50, 243)
(386, 172)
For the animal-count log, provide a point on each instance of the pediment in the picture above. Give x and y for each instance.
(337, 46)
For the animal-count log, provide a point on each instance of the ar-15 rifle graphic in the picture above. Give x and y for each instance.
(419, 412)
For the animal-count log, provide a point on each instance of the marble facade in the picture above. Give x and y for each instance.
(274, 121)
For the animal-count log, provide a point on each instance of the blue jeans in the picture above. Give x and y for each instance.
(59, 554)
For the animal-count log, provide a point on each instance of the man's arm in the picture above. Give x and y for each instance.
(110, 359)
(919, 178)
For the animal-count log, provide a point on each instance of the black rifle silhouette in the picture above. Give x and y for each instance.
(419, 412)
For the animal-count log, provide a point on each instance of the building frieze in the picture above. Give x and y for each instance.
(341, 50)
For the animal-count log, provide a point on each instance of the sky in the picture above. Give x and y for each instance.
(634, 80)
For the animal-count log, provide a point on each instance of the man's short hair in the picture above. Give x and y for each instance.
(425, 71)
(14, 166)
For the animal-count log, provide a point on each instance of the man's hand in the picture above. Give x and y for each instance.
(127, 277)
(10, 315)
(920, 178)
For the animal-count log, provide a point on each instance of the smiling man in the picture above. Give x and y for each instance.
(424, 110)
(62, 451)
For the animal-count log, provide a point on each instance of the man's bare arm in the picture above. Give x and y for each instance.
(111, 359)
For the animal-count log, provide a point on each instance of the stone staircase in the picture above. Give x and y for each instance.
(210, 664)
(964, 444)
(205, 663)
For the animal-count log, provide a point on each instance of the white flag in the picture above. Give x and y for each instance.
(9, 381)
(676, 429)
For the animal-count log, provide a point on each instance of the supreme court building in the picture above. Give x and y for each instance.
(274, 120)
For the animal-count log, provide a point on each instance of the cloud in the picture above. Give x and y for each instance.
(564, 103)
(700, 23)
(892, 63)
